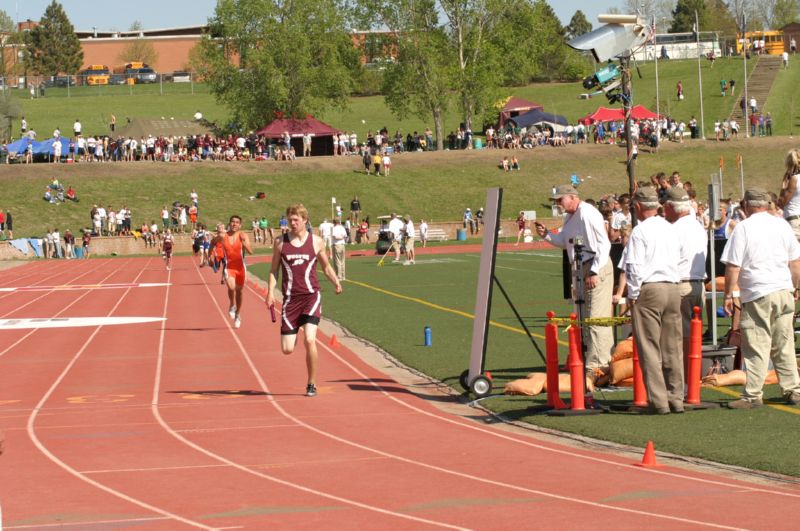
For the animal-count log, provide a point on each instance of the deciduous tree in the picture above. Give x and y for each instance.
(262, 57)
(139, 49)
(578, 25)
(53, 45)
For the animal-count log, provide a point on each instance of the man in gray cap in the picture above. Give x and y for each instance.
(692, 261)
(762, 258)
(584, 226)
(651, 272)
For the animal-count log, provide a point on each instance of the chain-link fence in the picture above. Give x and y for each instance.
(149, 83)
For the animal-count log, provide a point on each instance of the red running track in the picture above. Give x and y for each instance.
(188, 423)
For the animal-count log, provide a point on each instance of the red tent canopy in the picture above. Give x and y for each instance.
(296, 128)
(516, 106)
(603, 114)
(640, 112)
(606, 114)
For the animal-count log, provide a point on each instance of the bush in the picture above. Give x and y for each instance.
(369, 82)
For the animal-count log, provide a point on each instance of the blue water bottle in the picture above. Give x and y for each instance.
(427, 336)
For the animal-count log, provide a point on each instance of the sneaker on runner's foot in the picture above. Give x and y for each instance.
(232, 312)
(237, 323)
(311, 390)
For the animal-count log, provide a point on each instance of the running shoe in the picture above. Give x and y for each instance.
(311, 390)
(237, 323)
(232, 312)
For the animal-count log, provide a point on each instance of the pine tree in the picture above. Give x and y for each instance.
(53, 46)
(683, 16)
(578, 25)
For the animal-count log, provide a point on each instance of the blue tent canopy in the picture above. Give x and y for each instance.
(39, 148)
(537, 116)
(19, 146)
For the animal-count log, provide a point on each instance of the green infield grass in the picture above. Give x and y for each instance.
(391, 305)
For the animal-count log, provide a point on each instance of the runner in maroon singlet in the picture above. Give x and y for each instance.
(297, 253)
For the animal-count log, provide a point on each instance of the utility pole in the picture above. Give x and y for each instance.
(625, 61)
(700, 76)
(746, 123)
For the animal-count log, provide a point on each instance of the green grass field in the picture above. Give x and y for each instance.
(391, 305)
(94, 105)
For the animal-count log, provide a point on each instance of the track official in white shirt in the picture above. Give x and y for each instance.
(651, 272)
(584, 223)
(762, 258)
(693, 240)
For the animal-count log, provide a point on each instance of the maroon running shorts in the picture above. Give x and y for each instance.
(299, 310)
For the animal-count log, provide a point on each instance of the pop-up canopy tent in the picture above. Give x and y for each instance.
(514, 107)
(321, 133)
(538, 117)
(606, 114)
(44, 147)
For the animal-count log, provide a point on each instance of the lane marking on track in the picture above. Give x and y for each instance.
(72, 322)
(73, 287)
(565, 452)
(31, 429)
(157, 414)
(90, 523)
(444, 309)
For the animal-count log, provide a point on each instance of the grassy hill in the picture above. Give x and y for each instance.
(94, 105)
(437, 185)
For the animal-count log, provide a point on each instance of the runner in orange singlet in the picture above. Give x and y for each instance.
(236, 244)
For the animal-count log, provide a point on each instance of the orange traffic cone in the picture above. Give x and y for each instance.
(649, 459)
(333, 342)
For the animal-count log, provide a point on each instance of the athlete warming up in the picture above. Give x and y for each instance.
(235, 244)
(297, 253)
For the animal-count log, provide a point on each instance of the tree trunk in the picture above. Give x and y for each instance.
(437, 128)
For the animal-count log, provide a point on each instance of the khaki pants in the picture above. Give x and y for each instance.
(767, 327)
(338, 260)
(657, 332)
(600, 339)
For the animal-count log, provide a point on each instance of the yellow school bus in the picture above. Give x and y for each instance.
(773, 41)
(96, 74)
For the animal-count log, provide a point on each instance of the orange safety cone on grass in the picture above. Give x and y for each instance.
(649, 458)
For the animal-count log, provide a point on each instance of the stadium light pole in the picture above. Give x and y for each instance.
(658, 98)
(699, 76)
(746, 123)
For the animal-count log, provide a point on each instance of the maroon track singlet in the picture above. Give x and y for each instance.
(299, 267)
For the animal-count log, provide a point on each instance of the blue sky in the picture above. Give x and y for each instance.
(119, 15)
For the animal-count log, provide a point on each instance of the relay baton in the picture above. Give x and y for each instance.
(272, 313)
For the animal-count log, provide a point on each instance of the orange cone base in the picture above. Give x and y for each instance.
(334, 342)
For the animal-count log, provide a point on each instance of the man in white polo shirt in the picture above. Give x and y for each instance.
(584, 225)
(651, 272)
(339, 236)
(692, 262)
(762, 258)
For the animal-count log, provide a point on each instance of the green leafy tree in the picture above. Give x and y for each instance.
(7, 30)
(784, 12)
(53, 45)
(683, 19)
(420, 81)
(578, 25)
(263, 57)
(722, 18)
(511, 48)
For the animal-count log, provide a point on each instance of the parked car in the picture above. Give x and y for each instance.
(142, 75)
(181, 77)
(117, 79)
(59, 81)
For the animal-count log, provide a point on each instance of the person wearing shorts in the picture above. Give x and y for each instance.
(235, 244)
(167, 242)
(297, 253)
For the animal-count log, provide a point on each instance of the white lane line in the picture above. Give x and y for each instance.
(78, 287)
(157, 414)
(42, 448)
(92, 270)
(68, 306)
(71, 322)
(84, 524)
(567, 453)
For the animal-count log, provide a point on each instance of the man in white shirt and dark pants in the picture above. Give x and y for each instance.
(762, 259)
(692, 261)
(584, 225)
(651, 272)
